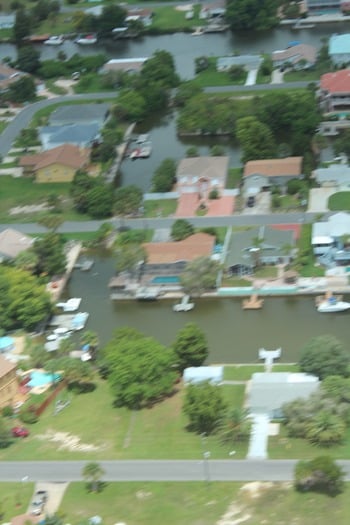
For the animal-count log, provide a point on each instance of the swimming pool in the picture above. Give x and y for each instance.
(166, 279)
(38, 378)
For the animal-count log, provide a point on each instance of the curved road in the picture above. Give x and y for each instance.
(157, 470)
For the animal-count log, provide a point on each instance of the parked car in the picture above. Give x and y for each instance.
(20, 432)
(251, 201)
(38, 502)
(41, 495)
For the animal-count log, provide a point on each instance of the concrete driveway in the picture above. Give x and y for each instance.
(262, 204)
(55, 492)
(318, 199)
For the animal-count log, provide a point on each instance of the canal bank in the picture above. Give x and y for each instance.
(234, 335)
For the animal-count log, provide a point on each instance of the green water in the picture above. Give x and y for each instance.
(234, 335)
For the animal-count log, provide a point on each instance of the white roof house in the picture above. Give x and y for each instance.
(335, 175)
(339, 49)
(269, 391)
(198, 374)
(325, 233)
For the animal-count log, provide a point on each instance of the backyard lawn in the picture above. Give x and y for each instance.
(339, 201)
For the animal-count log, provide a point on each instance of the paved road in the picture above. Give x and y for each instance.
(157, 470)
(199, 222)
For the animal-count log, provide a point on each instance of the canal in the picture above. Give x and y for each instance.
(234, 335)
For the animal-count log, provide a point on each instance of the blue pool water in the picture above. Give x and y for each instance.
(41, 378)
(166, 279)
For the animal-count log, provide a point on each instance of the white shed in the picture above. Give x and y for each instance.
(197, 374)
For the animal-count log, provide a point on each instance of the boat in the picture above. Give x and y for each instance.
(141, 139)
(184, 305)
(54, 41)
(86, 40)
(198, 31)
(71, 305)
(333, 305)
(79, 320)
(142, 152)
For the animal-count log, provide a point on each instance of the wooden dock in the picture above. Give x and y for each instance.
(253, 303)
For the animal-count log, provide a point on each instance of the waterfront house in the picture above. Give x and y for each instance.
(300, 56)
(170, 258)
(269, 391)
(334, 91)
(9, 75)
(249, 62)
(264, 245)
(57, 164)
(260, 175)
(145, 16)
(319, 6)
(7, 21)
(13, 242)
(128, 65)
(335, 175)
(330, 239)
(8, 382)
(214, 11)
(339, 49)
(78, 135)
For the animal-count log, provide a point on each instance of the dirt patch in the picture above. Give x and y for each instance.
(234, 515)
(29, 209)
(68, 441)
(256, 488)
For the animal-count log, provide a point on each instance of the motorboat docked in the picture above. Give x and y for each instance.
(86, 40)
(71, 305)
(79, 320)
(54, 41)
(142, 152)
(141, 139)
(184, 305)
(332, 304)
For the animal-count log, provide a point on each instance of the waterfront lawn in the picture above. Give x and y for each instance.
(339, 201)
(266, 272)
(212, 77)
(160, 208)
(244, 372)
(158, 432)
(14, 498)
(169, 19)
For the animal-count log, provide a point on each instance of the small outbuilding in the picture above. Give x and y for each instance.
(198, 374)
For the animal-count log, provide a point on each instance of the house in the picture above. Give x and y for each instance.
(145, 16)
(80, 114)
(202, 174)
(317, 6)
(260, 175)
(8, 382)
(334, 91)
(339, 49)
(328, 238)
(128, 65)
(249, 62)
(266, 245)
(9, 75)
(336, 175)
(300, 56)
(7, 21)
(214, 11)
(56, 165)
(13, 242)
(79, 135)
(269, 391)
(171, 258)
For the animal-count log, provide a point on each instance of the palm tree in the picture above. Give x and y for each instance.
(93, 473)
(235, 427)
(325, 429)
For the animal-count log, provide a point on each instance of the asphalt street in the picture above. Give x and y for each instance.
(158, 470)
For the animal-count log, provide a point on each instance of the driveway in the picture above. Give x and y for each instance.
(262, 204)
(251, 77)
(277, 77)
(55, 492)
(318, 199)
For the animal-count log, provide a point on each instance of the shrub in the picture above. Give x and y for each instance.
(7, 411)
(214, 194)
(28, 414)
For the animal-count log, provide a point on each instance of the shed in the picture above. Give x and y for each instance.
(198, 374)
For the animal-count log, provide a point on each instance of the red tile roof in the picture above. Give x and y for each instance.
(290, 166)
(337, 82)
(67, 154)
(197, 245)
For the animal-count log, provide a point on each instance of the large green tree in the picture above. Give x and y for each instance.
(160, 70)
(164, 177)
(100, 201)
(204, 406)
(50, 252)
(28, 59)
(190, 347)
(128, 200)
(140, 370)
(93, 473)
(181, 229)
(255, 138)
(200, 276)
(325, 429)
(22, 26)
(325, 356)
(247, 15)
(112, 16)
(321, 474)
(23, 90)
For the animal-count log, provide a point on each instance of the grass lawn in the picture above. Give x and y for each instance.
(168, 18)
(212, 77)
(14, 499)
(116, 433)
(234, 178)
(266, 272)
(244, 372)
(339, 201)
(199, 503)
(160, 208)
(235, 281)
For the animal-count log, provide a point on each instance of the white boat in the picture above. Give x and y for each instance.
(141, 139)
(86, 40)
(71, 305)
(79, 321)
(333, 305)
(54, 41)
(184, 306)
